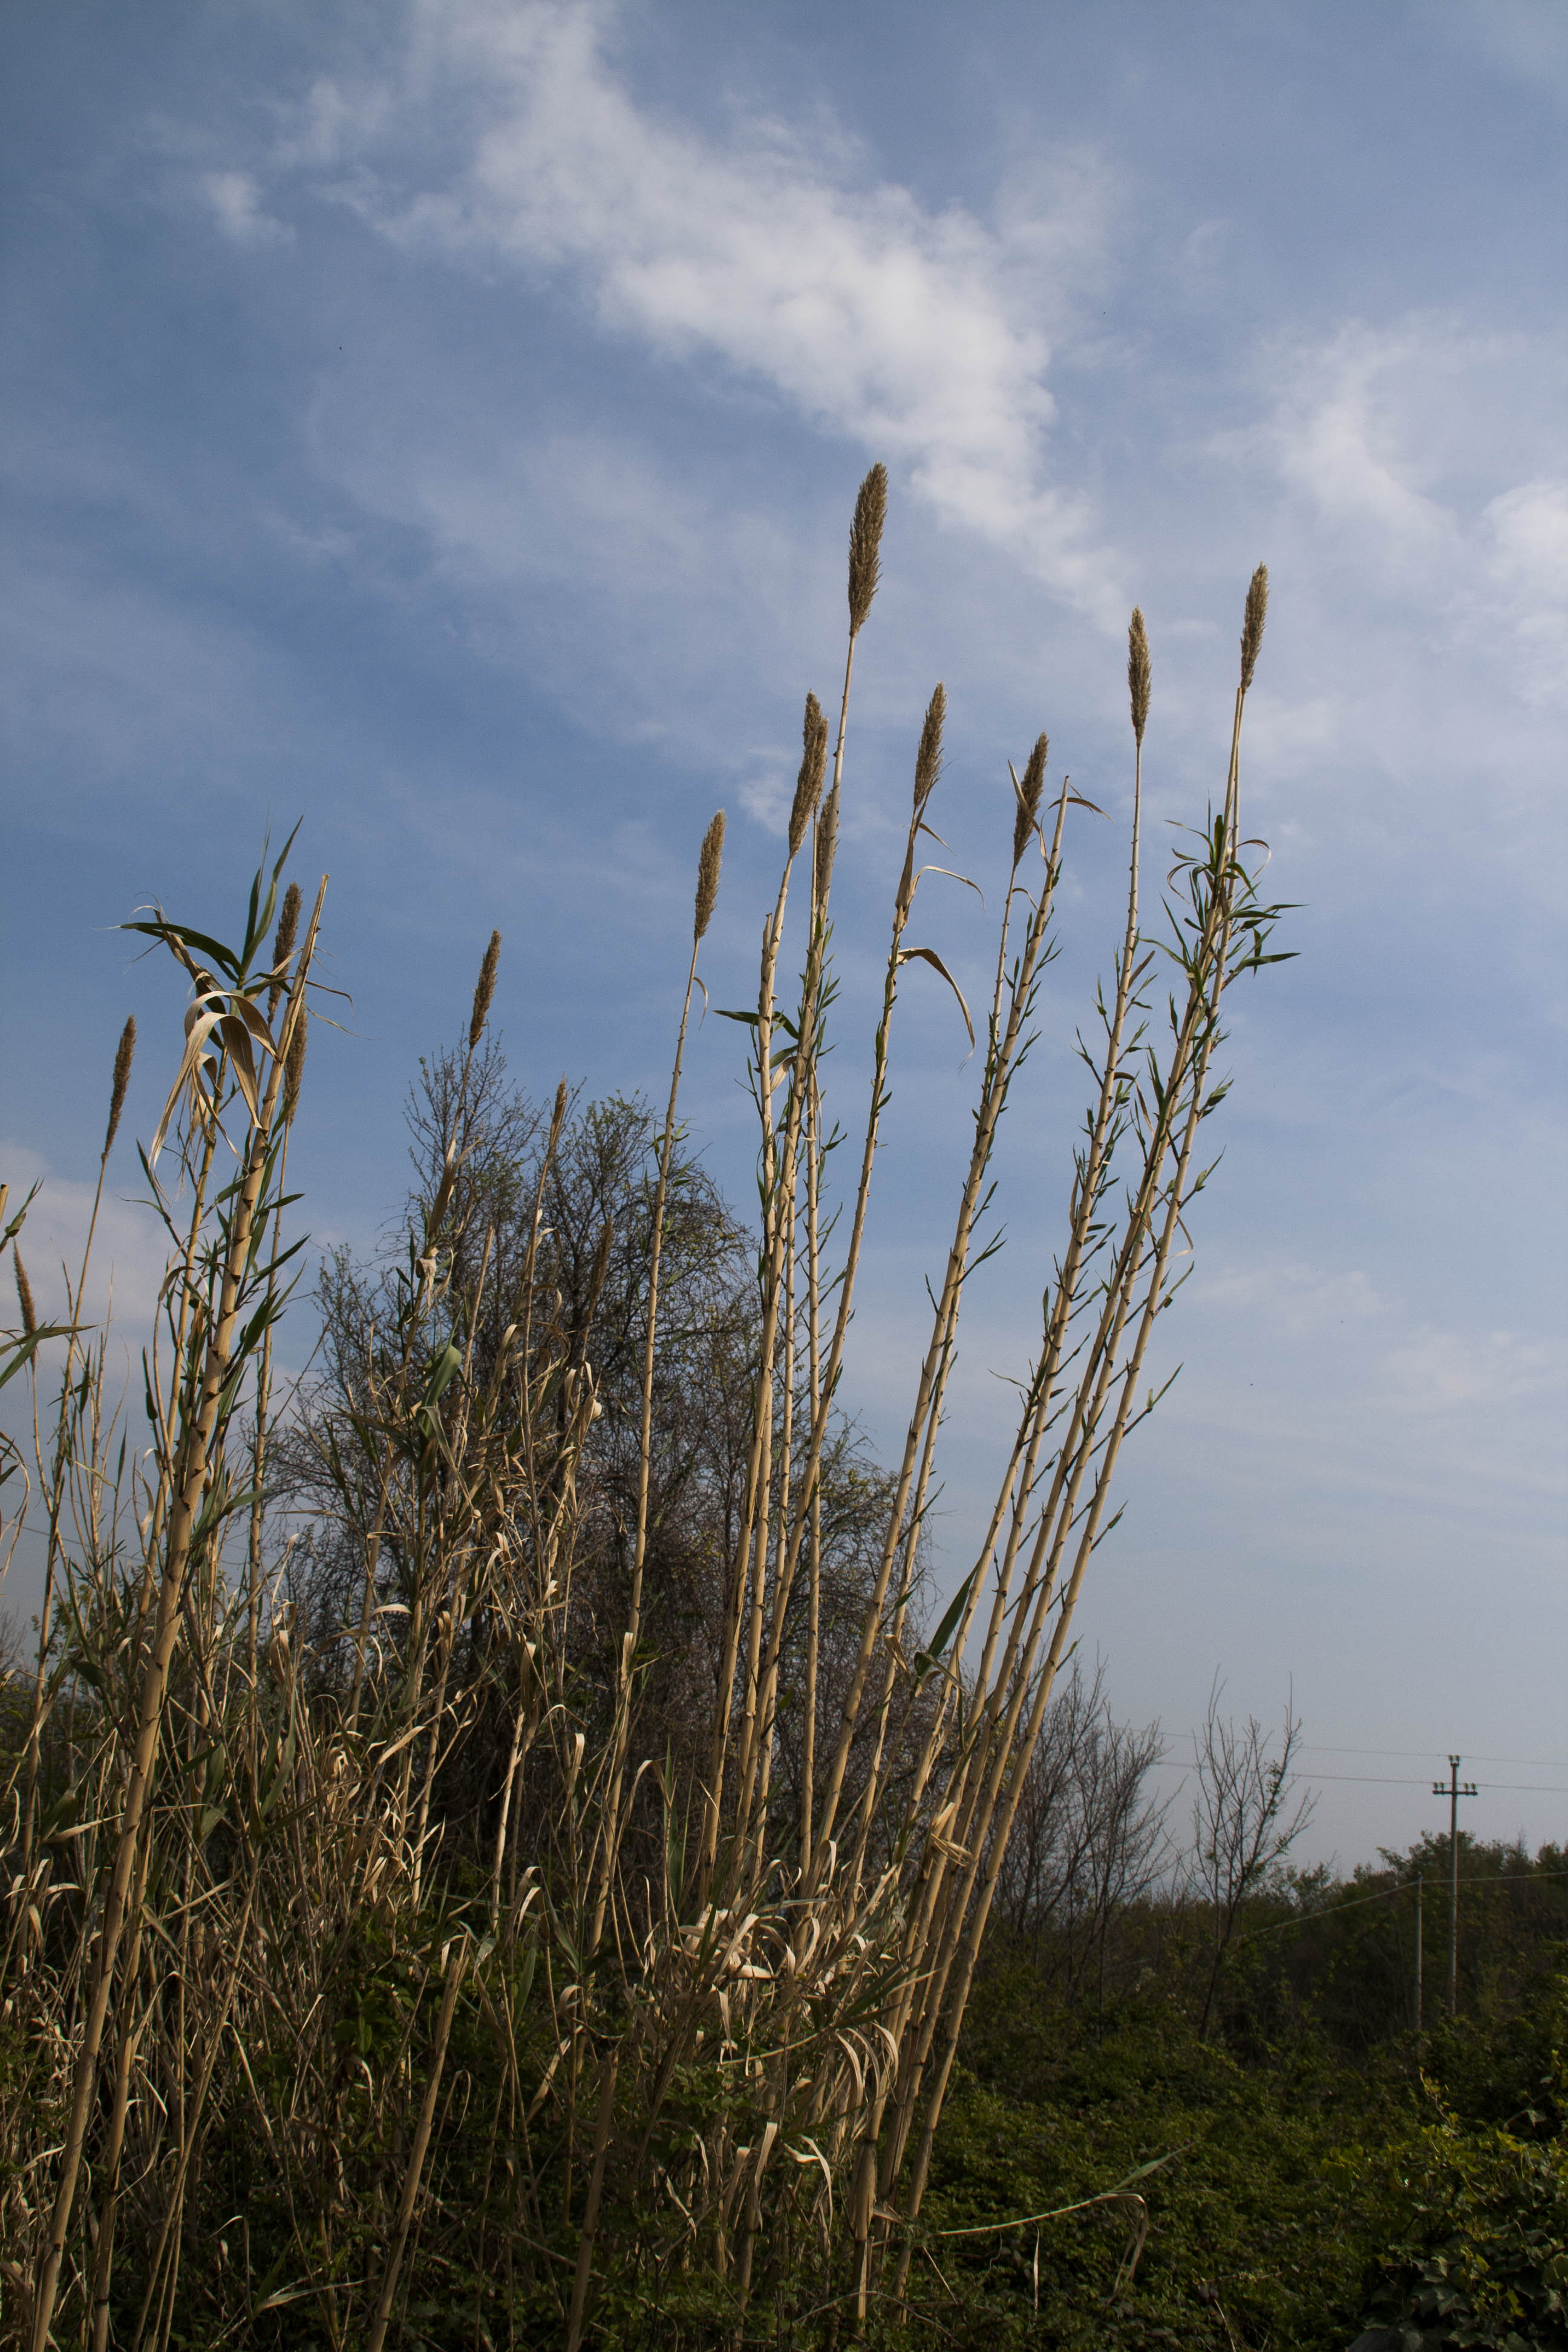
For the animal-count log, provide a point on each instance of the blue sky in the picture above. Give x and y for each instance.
(440, 423)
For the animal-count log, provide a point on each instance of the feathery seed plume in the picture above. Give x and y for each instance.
(24, 1295)
(865, 544)
(1252, 623)
(1138, 673)
(1029, 792)
(294, 1064)
(484, 990)
(826, 843)
(812, 768)
(708, 865)
(122, 1054)
(928, 758)
(283, 946)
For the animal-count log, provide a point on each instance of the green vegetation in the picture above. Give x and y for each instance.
(1326, 2175)
(498, 1851)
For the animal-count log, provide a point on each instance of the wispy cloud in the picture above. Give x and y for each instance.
(1421, 451)
(913, 332)
(1445, 1371)
(1525, 532)
(1340, 435)
(1290, 1296)
(129, 1245)
(236, 202)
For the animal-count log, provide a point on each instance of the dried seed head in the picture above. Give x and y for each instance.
(1029, 792)
(484, 990)
(708, 865)
(122, 1057)
(294, 1064)
(24, 1295)
(865, 546)
(928, 758)
(1252, 623)
(812, 768)
(1138, 674)
(827, 843)
(283, 946)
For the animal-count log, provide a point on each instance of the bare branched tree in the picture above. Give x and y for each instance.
(1247, 1815)
(1088, 1839)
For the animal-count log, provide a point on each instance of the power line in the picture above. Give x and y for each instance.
(1387, 1781)
(1401, 1887)
(1400, 1781)
(1543, 1763)
(1320, 1748)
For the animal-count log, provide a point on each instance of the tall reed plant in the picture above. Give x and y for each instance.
(646, 2041)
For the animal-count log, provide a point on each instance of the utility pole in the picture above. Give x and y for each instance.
(1420, 1901)
(1453, 1788)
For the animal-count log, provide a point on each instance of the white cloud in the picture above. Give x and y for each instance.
(236, 201)
(913, 332)
(1442, 1371)
(1415, 452)
(130, 1245)
(1527, 564)
(1288, 738)
(1290, 1296)
(768, 792)
(1338, 435)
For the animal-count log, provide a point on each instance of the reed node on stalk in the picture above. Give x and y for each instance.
(502, 1827)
